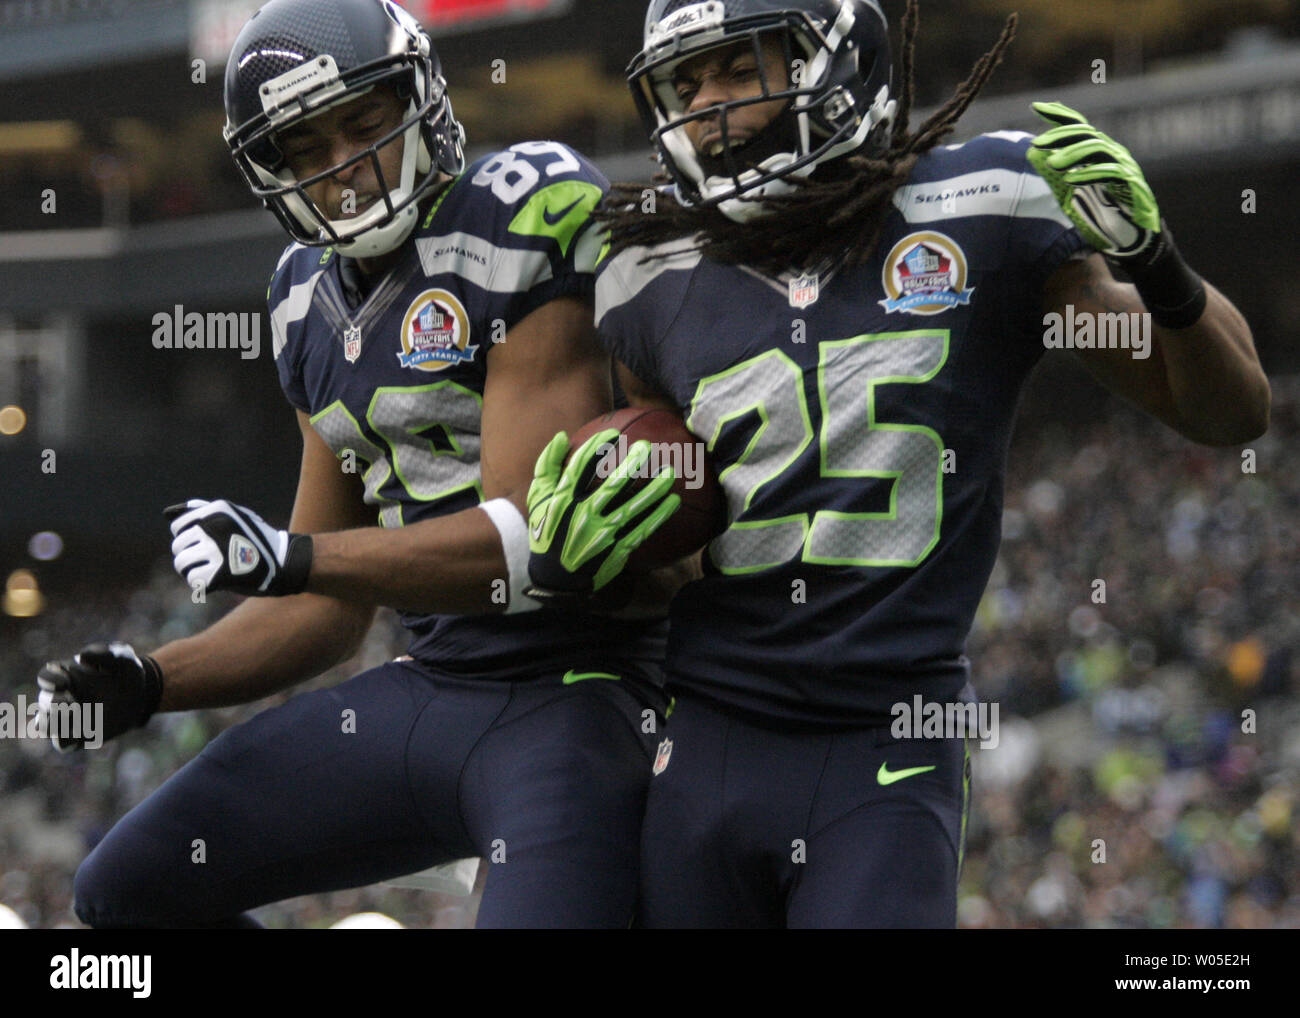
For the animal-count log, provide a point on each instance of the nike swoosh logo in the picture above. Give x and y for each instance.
(558, 217)
(571, 676)
(885, 776)
(537, 527)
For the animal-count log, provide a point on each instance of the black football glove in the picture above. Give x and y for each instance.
(128, 686)
(221, 546)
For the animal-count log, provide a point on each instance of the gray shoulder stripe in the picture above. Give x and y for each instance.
(1038, 202)
(288, 253)
(626, 276)
(1003, 135)
(1009, 135)
(292, 309)
(586, 252)
(487, 266)
(1023, 195)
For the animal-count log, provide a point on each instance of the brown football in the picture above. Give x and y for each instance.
(703, 512)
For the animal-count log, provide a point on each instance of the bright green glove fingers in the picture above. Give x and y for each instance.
(1105, 173)
(551, 460)
(658, 518)
(617, 559)
(1059, 113)
(633, 467)
(585, 452)
(1116, 172)
(593, 529)
(546, 472)
(1038, 158)
(1062, 134)
(582, 533)
(543, 530)
(656, 491)
(546, 475)
(1096, 181)
(581, 460)
(612, 486)
(1060, 138)
(1088, 152)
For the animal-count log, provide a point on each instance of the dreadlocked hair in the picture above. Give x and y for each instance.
(825, 222)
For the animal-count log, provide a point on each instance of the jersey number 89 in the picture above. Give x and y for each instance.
(511, 177)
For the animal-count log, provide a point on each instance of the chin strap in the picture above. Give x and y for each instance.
(752, 205)
(774, 145)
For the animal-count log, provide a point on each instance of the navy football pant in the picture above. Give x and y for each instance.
(549, 778)
(748, 826)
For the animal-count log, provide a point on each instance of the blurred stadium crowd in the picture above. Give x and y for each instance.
(1148, 766)
(1156, 781)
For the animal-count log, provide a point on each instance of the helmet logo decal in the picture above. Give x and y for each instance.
(694, 16)
(925, 274)
(243, 556)
(435, 333)
(281, 92)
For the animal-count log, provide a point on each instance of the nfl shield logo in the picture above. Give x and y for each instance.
(352, 344)
(661, 760)
(804, 291)
(243, 556)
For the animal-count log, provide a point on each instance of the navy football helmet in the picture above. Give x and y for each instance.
(296, 58)
(839, 93)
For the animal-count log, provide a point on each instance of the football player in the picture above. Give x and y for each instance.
(845, 311)
(432, 328)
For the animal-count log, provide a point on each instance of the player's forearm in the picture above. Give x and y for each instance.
(1218, 386)
(451, 565)
(1206, 382)
(261, 647)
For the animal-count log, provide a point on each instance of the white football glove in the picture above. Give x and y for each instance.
(221, 546)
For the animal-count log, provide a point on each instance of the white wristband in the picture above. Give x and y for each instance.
(510, 524)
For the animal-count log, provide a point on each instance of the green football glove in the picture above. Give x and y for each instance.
(581, 533)
(1097, 183)
(1101, 188)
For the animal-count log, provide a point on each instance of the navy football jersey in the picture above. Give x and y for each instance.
(395, 384)
(859, 425)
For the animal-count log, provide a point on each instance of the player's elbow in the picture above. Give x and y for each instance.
(1256, 403)
(1261, 410)
(1251, 419)
(1237, 422)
